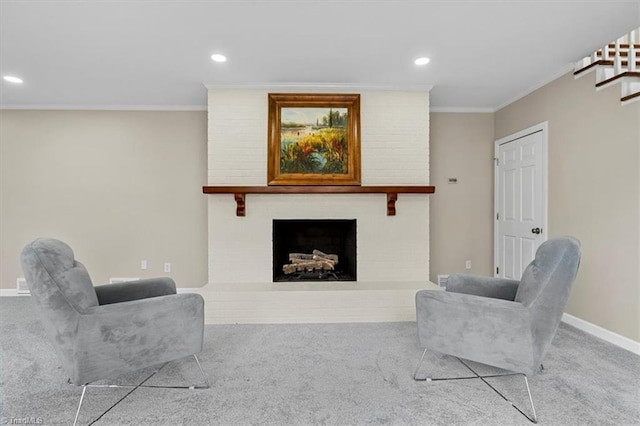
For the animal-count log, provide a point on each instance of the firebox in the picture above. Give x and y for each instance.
(314, 250)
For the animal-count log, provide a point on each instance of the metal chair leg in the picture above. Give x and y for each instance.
(204, 376)
(141, 385)
(533, 409)
(84, 389)
(533, 419)
(415, 373)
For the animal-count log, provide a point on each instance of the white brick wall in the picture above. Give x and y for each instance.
(394, 138)
(395, 151)
(237, 137)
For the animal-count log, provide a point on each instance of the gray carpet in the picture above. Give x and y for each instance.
(320, 374)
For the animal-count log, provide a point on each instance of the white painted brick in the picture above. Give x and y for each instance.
(388, 247)
(395, 151)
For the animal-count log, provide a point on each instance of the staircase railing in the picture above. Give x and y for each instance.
(617, 62)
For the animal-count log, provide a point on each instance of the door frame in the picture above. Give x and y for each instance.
(540, 127)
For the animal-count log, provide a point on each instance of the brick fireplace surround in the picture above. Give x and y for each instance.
(392, 251)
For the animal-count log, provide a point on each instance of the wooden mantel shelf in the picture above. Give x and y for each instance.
(392, 192)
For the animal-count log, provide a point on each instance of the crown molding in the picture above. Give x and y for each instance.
(462, 110)
(106, 107)
(319, 87)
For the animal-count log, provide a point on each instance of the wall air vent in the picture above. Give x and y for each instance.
(22, 287)
(442, 280)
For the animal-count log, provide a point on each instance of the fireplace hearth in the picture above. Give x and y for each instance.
(313, 237)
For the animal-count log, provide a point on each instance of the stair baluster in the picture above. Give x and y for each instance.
(617, 59)
(605, 52)
(631, 58)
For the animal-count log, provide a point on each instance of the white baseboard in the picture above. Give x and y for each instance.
(602, 333)
(10, 292)
(186, 290)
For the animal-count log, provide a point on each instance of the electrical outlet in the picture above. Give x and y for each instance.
(467, 264)
(143, 265)
(167, 267)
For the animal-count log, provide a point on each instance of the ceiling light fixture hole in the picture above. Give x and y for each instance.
(217, 57)
(12, 79)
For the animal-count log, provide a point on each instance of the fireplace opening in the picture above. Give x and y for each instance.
(326, 248)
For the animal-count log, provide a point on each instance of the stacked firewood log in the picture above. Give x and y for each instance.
(317, 261)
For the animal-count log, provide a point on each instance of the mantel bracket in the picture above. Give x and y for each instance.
(240, 204)
(392, 197)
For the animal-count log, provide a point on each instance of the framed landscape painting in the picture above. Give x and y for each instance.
(314, 139)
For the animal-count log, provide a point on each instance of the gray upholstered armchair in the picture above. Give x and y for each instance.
(503, 323)
(105, 331)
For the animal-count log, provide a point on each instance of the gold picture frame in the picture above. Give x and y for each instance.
(313, 139)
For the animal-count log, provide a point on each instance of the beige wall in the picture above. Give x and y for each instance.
(594, 190)
(118, 186)
(461, 214)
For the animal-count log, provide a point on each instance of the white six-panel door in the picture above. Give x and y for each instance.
(521, 199)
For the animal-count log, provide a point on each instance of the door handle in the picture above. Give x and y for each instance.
(536, 231)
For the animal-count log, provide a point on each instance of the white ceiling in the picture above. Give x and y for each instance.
(156, 53)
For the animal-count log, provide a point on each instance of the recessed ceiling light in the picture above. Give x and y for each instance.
(218, 58)
(422, 61)
(12, 79)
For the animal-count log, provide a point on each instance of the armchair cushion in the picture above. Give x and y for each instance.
(47, 259)
(134, 290)
(556, 262)
(498, 288)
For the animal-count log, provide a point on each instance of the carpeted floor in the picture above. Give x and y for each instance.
(320, 374)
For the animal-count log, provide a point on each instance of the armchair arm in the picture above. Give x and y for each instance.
(134, 290)
(492, 331)
(498, 288)
(122, 337)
